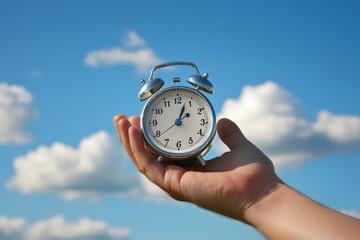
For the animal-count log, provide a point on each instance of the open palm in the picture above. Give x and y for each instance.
(237, 179)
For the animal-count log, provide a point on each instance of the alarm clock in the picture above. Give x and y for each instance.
(178, 122)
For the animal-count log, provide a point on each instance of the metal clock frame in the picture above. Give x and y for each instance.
(198, 150)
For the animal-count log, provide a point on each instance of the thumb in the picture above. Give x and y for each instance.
(230, 133)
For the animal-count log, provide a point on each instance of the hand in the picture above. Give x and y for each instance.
(240, 184)
(229, 184)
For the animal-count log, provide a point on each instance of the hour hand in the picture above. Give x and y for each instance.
(178, 120)
(182, 111)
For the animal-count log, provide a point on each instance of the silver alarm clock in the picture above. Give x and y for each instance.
(178, 122)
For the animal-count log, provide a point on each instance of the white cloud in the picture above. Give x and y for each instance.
(16, 110)
(56, 228)
(11, 228)
(133, 40)
(95, 167)
(142, 58)
(273, 119)
(352, 213)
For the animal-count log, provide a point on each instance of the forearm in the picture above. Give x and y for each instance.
(287, 214)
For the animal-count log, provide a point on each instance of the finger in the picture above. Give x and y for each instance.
(165, 176)
(230, 133)
(145, 163)
(123, 126)
(135, 121)
(116, 119)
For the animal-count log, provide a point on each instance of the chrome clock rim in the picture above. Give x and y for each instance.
(171, 155)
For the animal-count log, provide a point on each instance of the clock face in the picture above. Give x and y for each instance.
(178, 122)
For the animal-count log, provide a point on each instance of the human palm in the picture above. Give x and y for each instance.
(237, 179)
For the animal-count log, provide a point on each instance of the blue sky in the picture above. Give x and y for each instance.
(286, 71)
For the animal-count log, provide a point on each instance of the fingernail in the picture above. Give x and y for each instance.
(116, 122)
(115, 119)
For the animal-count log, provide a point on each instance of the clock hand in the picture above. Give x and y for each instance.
(167, 129)
(186, 116)
(182, 111)
(178, 120)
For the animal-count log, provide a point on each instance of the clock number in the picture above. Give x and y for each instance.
(157, 134)
(159, 111)
(190, 140)
(167, 103)
(177, 100)
(154, 122)
(190, 103)
(202, 122)
(178, 144)
(167, 141)
(200, 132)
(200, 110)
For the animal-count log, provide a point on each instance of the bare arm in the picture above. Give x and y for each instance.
(240, 184)
(287, 214)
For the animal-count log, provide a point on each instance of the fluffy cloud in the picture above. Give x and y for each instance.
(11, 228)
(16, 110)
(142, 57)
(56, 228)
(272, 118)
(95, 167)
(133, 40)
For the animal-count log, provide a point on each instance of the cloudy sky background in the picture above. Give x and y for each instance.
(286, 72)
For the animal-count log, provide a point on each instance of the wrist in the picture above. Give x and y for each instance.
(273, 194)
(285, 213)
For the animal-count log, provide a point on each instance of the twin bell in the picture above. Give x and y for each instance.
(153, 85)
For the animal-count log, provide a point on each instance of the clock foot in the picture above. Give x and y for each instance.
(160, 158)
(201, 160)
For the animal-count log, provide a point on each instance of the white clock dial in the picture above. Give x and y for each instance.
(178, 122)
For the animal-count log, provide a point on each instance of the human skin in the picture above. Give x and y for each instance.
(241, 184)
